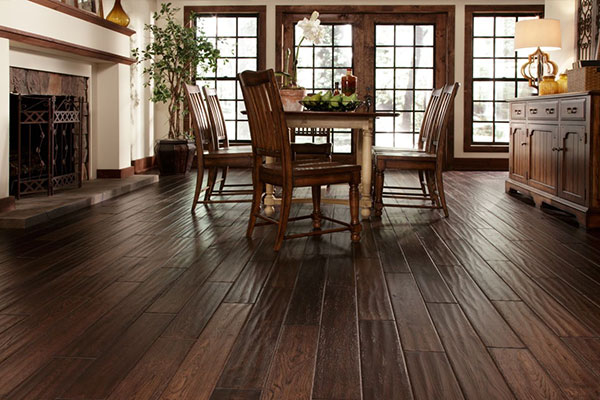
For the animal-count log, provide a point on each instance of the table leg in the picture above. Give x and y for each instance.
(366, 171)
(269, 200)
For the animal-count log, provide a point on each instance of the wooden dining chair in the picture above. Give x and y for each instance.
(422, 143)
(219, 136)
(212, 153)
(429, 161)
(270, 138)
(304, 150)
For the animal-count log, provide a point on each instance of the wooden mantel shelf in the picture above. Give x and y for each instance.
(87, 16)
(55, 44)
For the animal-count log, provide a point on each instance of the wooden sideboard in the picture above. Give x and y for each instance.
(555, 152)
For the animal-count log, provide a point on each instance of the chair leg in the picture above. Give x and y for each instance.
(255, 208)
(199, 179)
(354, 210)
(284, 214)
(223, 177)
(316, 200)
(422, 181)
(431, 187)
(212, 178)
(379, 176)
(440, 189)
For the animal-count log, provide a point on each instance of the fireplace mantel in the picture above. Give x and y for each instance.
(87, 16)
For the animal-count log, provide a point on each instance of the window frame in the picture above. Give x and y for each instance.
(357, 15)
(237, 11)
(470, 13)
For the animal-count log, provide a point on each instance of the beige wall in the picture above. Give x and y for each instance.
(560, 9)
(4, 122)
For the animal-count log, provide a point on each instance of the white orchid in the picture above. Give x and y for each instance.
(311, 31)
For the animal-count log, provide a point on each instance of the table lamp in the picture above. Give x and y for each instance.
(539, 35)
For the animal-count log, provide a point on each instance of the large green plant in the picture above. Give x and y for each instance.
(174, 54)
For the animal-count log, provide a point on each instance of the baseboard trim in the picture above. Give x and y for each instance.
(7, 204)
(143, 164)
(480, 164)
(115, 173)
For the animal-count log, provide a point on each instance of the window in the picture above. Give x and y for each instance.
(492, 75)
(320, 66)
(398, 54)
(404, 75)
(238, 32)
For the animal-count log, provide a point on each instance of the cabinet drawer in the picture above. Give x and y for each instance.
(546, 110)
(517, 110)
(573, 110)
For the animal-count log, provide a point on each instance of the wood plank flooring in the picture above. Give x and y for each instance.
(137, 298)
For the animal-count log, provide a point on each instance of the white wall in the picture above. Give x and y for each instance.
(566, 12)
(4, 122)
(142, 109)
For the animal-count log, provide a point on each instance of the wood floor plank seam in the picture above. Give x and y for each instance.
(104, 252)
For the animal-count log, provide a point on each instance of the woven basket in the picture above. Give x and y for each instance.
(583, 79)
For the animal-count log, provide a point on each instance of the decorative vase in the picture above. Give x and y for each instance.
(562, 83)
(118, 15)
(548, 85)
(291, 98)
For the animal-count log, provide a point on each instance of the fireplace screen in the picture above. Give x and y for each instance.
(45, 143)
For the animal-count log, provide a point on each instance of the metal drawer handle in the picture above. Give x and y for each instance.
(550, 111)
(533, 110)
(523, 143)
(571, 110)
(557, 149)
(518, 112)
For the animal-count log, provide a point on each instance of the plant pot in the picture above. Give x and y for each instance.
(174, 156)
(291, 98)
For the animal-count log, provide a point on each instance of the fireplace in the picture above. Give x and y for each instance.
(48, 133)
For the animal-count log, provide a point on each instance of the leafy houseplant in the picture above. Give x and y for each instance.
(290, 92)
(174, 54)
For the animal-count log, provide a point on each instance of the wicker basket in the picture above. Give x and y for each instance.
(583, 79)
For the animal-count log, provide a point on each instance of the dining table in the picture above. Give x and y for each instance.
(362, 124)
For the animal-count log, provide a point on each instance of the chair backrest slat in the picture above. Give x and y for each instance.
(216, 118)
(428, 118)
(268, 127)
(441, 118)
(200, 122)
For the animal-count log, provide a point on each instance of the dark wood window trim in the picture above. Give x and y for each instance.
(54, 44)
(85, 15)
(363, 64)
(238, 10)
(470, 12)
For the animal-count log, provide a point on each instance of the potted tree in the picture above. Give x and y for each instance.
(174, 55)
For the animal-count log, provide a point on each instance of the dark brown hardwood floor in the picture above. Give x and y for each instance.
(137, 298)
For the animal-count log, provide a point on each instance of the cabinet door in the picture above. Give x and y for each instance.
(519, 153)
(572, 157)
(543, 160)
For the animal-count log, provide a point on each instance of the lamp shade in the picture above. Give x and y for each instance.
(533, 33)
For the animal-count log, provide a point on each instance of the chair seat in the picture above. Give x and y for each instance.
(312, 173)
(229, 151)
(405, 156)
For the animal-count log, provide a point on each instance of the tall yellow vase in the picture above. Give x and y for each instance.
(118, 15)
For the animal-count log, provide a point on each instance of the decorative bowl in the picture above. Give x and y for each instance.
(331, 106)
